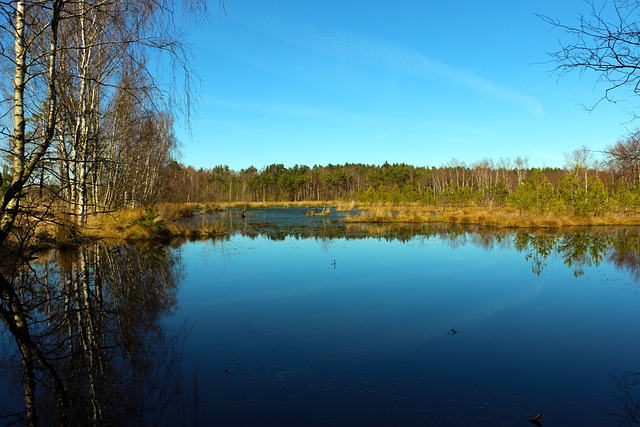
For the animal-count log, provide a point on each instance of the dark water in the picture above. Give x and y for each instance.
(298, 321)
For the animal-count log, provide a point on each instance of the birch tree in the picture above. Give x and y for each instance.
(34, 76)
(70, 62)
(75, 52)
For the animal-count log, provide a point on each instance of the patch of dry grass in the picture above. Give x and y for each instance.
(162, 222)
(496, 217)
(153, 224)
(175, 211)
(113, 224)
(128, 224)
(345, 206)
(200, 232)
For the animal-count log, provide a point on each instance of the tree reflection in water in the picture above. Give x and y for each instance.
(578, 248)
(88, 345)
(628, 397)
(583, 248)
(86, 329)
(626, 254)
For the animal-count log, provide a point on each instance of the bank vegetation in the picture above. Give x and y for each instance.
(506, 193)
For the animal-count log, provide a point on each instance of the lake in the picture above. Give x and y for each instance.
(295, 320)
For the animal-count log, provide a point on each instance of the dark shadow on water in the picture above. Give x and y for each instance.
(87, 345)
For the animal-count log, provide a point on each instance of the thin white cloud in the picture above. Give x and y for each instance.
(353, 47)
(411, 61)
(482, 85)
(299, 111)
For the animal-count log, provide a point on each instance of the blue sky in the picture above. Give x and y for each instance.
(418, 82)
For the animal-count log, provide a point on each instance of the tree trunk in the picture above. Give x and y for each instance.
(23, 167)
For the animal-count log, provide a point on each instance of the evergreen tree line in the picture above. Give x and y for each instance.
(583, 187)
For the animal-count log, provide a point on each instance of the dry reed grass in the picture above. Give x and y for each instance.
(345, 206)
(175, 211)
(152, 224)
(496, 217)
(162, 222)
(204, 231)
(112, 224)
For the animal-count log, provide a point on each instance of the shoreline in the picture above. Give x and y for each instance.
(165, 222)
(496, 217)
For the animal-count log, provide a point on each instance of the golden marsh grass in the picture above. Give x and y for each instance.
(495, 217)
(162, 221)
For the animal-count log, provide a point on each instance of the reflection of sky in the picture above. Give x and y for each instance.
(388, 302)
(10, 375)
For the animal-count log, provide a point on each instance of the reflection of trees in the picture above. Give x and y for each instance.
(628, 397)
(537, 248)
(16, 318)
(455, 237)
(626, 251)
(582, 249)
(86, 328)
(488, 238)
(578, 248)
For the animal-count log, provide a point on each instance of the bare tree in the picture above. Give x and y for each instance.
(74, 52)
(579, 162)
(604, 42)
(623, 159)
(71, 63)
(521, 165)
(28, 144)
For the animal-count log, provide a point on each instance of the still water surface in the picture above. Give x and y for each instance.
(404, 333)
(304, 321)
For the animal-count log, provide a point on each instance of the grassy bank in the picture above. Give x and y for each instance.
(496, 217)
(155, 223)
(162, 221)
(166, 221)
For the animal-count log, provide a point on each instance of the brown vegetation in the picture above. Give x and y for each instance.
(167, 221)
(163, 221)
(495, 217)
(157, 223)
